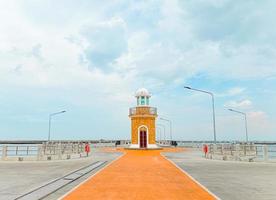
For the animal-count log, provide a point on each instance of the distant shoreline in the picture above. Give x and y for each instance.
(113, 141)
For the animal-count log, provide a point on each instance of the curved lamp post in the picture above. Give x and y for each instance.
(164, 128)
(167, 120)
(213, 105)
(159, 130)
(50, 119)
(245, 121)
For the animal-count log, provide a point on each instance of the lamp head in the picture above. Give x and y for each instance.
(186, 87)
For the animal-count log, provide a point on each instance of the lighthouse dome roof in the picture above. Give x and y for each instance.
(142, 92)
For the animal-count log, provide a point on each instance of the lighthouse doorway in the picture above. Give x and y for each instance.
(143, 138)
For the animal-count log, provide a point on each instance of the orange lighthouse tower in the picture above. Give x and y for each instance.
(143, 122)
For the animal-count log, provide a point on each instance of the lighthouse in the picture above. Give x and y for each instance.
(143, 122)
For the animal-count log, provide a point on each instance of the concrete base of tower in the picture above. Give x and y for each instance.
(149, 146)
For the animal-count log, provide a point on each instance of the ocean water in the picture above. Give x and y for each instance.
(271, 151)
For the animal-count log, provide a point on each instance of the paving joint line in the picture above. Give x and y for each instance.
(70, 180)
(192, 178)
(90, 177)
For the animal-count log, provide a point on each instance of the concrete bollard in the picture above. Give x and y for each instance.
(39, 152)
(4, 152)
(237, 155)
(265, 152)
(59, 147)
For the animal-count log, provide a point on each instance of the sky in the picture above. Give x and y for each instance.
(89, 58)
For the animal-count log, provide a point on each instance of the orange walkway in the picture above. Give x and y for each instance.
(141, 175)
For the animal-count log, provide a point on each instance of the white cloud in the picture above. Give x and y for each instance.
(236, 91)
(260, 125)
(232, 92)
(167, 52)
(244, 104)
(257, 115)
(102, 52)
(31, 58)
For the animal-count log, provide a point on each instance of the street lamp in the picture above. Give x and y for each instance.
(167, 120)
(245, 120)
(213, 105)
(164, 128)
(50, 119)
(159, 130)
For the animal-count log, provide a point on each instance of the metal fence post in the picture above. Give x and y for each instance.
(4, 152)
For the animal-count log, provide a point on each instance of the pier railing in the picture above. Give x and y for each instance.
(250, 152)
(17, 150)
(46, 151)
(62, 148)
(52, 150)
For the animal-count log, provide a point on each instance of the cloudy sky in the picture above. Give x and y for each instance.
(89, 58)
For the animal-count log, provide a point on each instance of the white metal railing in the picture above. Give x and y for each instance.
(50, 150)
(12, 150)
(189, 145)
(143, 110)
(164, 142)
(40, 150)
(261, 152)
(62, 148)
(101, 145)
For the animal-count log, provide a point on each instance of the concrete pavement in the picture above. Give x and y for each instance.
(226, 179)
(17, 178)
(229, 180)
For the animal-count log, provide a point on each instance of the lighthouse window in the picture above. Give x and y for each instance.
(142, 100)
(147, 101)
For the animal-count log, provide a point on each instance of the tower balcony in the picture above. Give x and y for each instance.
(143, 110)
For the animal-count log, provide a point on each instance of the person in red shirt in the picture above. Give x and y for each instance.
(205, 149)
(87, 149)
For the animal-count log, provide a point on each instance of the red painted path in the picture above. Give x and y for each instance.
(140, 174)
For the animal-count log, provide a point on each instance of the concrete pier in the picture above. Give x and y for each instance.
(18, 178)
(229, 180)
